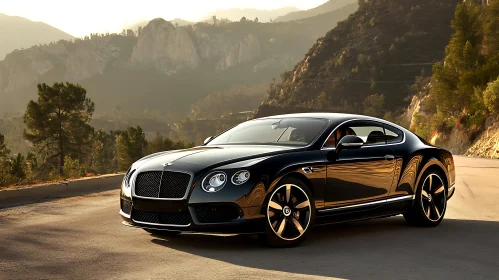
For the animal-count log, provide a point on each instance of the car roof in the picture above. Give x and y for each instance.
(335, 118)
(329, 116)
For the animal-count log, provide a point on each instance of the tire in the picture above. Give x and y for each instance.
(290, 214)
(165, 233)
(430, 201)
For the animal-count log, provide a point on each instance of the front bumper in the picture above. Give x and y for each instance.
(245, 220)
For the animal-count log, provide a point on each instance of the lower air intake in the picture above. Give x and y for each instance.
(126, 206)
(162, 218)
(216, 214)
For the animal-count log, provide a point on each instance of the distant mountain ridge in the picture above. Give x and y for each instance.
(262, 15)
(18, 33)
(329, 6)
(142, 23)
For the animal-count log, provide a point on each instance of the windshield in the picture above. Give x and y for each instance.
(286, 131)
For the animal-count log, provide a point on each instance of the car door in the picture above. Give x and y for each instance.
(359, 175)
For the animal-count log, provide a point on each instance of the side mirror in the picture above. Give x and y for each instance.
(207, 140)
(349, 142)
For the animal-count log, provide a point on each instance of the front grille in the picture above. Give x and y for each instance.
(126, 206)
(166, 184)
(174, 184)
(147, 184)
(216, 214)
(165, 218)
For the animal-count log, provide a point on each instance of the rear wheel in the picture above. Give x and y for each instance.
(430, 201)
(290, 214)
(162, 232)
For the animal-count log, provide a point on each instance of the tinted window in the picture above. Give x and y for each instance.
(370, 133)
(393, 135)
(287, 131)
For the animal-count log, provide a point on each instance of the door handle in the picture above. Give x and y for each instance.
(389, 157)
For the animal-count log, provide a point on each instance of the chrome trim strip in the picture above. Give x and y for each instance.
(370, 145)
(124, 214)
(406, 197)
(189, 186)
(164, 225)
(353, 144)
(388, 200)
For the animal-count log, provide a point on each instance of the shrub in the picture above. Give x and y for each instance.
(491, 97)
(73, 168)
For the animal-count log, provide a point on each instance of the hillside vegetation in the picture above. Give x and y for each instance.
(369, 61)
(464, 94)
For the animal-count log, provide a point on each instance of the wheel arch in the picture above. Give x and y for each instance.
(433, 162)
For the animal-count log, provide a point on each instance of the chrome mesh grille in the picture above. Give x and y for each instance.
(164, 218)
(147, 184)
(166, 184)
(174, 184)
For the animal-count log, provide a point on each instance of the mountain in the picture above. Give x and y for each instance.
(329, 6)
(166, 68)
(262, 15)
(367, 63)
(141, 23)
(19, 33)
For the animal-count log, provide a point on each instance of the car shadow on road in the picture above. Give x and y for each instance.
(376, 249)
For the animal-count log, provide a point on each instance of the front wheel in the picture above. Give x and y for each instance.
(290, 214)
(430, 201)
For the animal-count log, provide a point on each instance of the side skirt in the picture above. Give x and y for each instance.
(381, 208)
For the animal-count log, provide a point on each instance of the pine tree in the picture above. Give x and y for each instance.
(58, 123)
(131, 146)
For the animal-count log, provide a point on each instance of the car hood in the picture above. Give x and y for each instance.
(209, 156)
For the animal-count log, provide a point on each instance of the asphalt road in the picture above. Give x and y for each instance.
(82, 238)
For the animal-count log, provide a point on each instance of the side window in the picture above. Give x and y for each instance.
(370, 133)
(393, 135)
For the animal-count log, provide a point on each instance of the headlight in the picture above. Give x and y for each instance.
(214, 181)
(240, 177)
(125, 186)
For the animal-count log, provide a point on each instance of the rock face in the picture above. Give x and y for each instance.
(244, 51)
(165, 47)
(169, 48)
(486, 144)
(77, 61)
(457, 141)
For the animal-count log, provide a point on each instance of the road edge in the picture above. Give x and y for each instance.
(15, 197)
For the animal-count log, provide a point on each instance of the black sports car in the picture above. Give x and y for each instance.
(279, 176)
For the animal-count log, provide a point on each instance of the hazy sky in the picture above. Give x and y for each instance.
(82, 17)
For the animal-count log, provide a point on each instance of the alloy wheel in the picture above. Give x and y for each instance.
(433, 197)
(289, 212)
